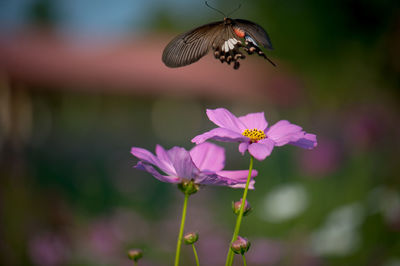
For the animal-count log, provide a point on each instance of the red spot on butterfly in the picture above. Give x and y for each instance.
(240, 33)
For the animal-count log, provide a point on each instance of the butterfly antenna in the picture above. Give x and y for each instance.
(213, 8)
(236, 9)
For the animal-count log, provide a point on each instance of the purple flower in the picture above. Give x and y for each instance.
(203, 164)
(253, 133)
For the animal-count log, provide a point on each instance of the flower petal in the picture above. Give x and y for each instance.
(254, 120)
(211, 178)
(144, 155)
(218, 180)
(150, 169)
(208, 156)
(243, 147)
(238, 175)
(225, 119)
(220, 134)
(183, 163)
(241, 185)
(284, 132)
(165, 163)
(261, 149)
(241, 177)
(308, 141)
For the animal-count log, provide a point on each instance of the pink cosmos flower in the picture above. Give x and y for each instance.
(253, 133)
(203, 164)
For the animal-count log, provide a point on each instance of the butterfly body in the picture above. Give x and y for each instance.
(225, 38)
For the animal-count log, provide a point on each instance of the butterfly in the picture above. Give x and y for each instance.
(225, 38)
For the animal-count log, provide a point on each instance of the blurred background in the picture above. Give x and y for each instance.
(81, 82)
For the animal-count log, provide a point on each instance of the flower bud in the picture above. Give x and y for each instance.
(188, 187)
(135, 254)
(191, 238)
(240, 246)
(236, 207)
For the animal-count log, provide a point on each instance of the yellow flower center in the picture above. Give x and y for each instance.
(254, 134)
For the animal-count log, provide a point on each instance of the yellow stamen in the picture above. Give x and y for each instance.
(254, 134)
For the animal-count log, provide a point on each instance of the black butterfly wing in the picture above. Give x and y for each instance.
(189, 47)
(255, 31)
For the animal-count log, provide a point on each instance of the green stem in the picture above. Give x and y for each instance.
(178, 245)
(134, 263)
(244, 260)
(229, 257)
(195, 255)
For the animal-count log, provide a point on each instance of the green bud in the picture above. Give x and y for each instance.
(188, 187)
(191, 238)
(241, 245)
(236, 207)
(135, 254)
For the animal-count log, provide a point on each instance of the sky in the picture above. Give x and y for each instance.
(97, 17)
